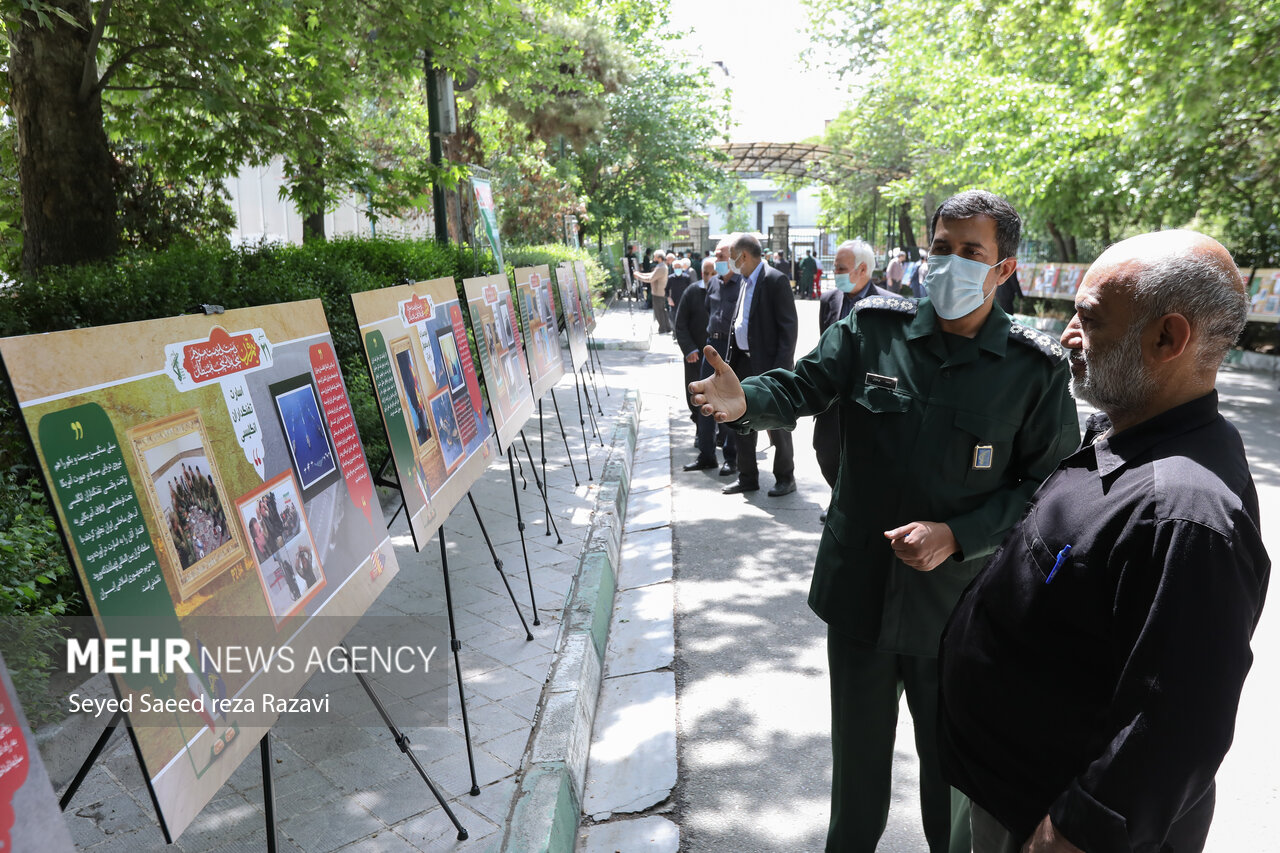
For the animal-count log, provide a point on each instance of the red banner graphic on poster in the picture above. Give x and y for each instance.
(464, 351)
(342, 425)
(13, 763)
(222, 355)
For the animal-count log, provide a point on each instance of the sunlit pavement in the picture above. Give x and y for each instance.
(751, 661)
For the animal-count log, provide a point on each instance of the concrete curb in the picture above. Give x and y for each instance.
(547, 807)
(607, 344)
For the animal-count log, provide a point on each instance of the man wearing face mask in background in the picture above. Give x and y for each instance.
(854, 260)
(950, 418)
(763, 338)
(721, 304)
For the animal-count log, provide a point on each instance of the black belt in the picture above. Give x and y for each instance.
(718, 336)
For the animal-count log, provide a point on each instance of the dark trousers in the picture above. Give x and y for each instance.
(692, 373)
(711, 434)
(660, 314)
(784, 461)
(865, 688)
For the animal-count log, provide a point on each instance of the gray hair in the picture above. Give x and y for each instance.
(1201, 287)
(862, 253)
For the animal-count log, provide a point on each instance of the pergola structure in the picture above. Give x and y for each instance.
(817, 163)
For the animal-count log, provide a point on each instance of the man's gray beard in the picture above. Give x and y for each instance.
(1115, 380)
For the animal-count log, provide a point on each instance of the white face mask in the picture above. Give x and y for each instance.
(733, 266)
(955, 285)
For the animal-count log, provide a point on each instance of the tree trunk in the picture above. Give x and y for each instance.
(313, 226)
(1059, 243)
(65, 168)
(907, 239)
(1072, 255)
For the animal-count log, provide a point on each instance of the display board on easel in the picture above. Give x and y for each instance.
(213, 491)
(502, 355)
(570, 306)
(584, 296)
(416, 343)
(542, 337)
(29, 814)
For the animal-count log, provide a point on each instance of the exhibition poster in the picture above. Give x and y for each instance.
(571, 306)
(584, 296)
(489, 216)
(502, 355)
(542, 334)
(416, 343)
(216, 499)
(24, 784)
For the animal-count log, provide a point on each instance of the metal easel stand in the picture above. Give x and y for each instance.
(497, 561)
(565, 438)
(592, 376)
(455, 646)
(542, 483)
(582, 421)
(515, 498)
(116, 720)
(402, 741)
(593, 350)
(595, 425)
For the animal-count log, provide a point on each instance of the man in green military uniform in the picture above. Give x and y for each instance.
(804, 278)
(951, 416)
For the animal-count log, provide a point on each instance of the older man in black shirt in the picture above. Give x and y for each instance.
(1092, 671)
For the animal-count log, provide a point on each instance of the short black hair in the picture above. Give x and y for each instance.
(749, 244)
(971, 203)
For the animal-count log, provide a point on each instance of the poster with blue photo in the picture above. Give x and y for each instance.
(310, 447)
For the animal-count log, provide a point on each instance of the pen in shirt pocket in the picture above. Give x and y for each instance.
(1057, 564)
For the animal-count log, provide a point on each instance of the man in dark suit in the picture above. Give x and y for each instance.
(679, 280)
(722, 306)
(691, 335)
(763, 337)
(854, 262)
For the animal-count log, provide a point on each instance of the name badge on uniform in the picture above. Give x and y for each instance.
(982, 456)
(890, 382)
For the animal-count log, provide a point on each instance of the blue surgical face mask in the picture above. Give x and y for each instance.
(843, 282)
(722, 268)
(955, 285)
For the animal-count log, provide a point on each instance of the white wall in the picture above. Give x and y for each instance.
(262, 215)
(802, 206)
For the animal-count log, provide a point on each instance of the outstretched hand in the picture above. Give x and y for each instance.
(719, 396)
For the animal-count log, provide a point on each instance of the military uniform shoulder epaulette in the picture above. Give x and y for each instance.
(897, 304)
(1039, 341)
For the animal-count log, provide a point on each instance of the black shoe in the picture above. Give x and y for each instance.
(728, 469)
(782, 487)
(823, 518)
(700, 465)
(738, 487)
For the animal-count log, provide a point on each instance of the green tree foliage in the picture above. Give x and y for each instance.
(1095, 118)
(654, 152)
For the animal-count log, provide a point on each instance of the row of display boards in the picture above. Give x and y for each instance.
(1061, 281)
(207, 474)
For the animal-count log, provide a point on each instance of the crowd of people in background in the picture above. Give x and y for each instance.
(960, 490)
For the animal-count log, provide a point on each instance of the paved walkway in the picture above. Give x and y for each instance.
(751, 657)
(713, 658)
(348, 788)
